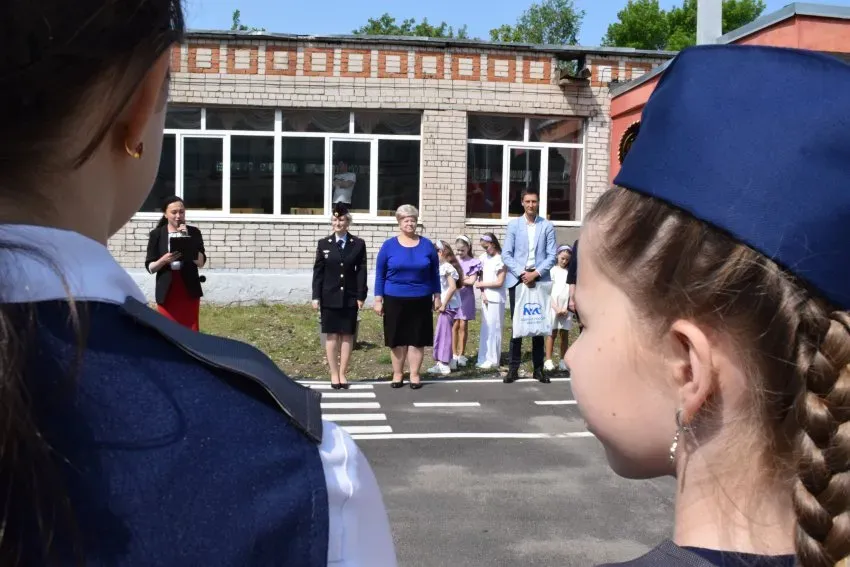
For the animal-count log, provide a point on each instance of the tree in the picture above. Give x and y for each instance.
(386, 25)
(642, 24)
(551, 22)
(239, 26)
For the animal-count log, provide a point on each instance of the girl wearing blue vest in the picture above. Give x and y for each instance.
(128, 439)
(714, 288)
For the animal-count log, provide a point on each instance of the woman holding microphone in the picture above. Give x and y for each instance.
(178, 298)
(339, 289)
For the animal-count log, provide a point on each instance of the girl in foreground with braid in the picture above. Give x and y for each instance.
(714, 287)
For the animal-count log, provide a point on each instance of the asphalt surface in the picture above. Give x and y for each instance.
(497, 479)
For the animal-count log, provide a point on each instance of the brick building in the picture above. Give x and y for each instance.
(262, 130)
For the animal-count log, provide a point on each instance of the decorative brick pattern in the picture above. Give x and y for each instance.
(356, 63)
(536, 70)
(204, 58)
(177, 59)
(392, 64)
(242, 59)
(275, 244)
(501, 69)
(429, 65)
(466, 67)
(319, 62)
(281, 60)
(635, 71)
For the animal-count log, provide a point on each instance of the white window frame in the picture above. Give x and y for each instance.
(543, 147)
(278, 134)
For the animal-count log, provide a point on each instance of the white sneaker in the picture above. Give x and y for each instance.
(485, 366)
(440, 368)
(549, 366)
(562, 366)
(462, 360)
(453, 364)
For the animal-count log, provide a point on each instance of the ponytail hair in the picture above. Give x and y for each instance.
(450, 257)
(165, 204)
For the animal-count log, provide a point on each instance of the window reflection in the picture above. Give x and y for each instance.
(302, 176)
(398, 175)
(252, 175)
(202, 173)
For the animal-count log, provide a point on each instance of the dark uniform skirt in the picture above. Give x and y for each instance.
(342, 321)
(408, 321)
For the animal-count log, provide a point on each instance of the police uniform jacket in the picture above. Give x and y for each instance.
(178, 448)
(339, 275)
(158, 246)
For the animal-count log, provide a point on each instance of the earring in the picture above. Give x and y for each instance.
(137, 153)
(680, 427)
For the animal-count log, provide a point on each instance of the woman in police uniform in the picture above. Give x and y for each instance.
(339, 289)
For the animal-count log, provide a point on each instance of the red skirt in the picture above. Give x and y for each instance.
(179, 305)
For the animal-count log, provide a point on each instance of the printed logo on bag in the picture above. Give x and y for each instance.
(531, 309)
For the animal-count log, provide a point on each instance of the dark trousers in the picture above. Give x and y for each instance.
(537, 352)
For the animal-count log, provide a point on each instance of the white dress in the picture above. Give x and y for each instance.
(561, 298)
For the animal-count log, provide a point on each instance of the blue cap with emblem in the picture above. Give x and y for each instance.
(756, 142)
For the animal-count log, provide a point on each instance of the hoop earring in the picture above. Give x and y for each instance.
(680, 428)
(137, 153)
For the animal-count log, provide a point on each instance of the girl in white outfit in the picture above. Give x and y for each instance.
(492, 286)
(562, 318)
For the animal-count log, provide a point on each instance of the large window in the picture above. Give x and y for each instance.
(507, 154)
(261, 161)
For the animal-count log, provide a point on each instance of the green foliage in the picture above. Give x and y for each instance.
(642, 24)
(551, 22)
(387, 25)
(239, 26)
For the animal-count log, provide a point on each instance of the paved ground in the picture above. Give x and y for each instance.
(505, 476)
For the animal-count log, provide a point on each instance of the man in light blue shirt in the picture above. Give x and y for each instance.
(529, 254)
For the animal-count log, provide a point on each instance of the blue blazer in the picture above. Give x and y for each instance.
(515, 250)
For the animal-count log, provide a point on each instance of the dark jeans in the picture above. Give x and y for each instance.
(537, 352)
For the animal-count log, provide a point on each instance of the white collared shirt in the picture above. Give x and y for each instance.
(532, 244)
(344, 240)
(359, 532)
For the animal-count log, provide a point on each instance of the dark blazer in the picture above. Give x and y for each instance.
(339, 277)
(158, 246)
(145, 427)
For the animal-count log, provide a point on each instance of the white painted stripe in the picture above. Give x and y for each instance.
(449, 381)
(326, 395)
(446, 405)
(355, 416)
(368, 429)
(557, 403)
(351, 405)
(327, 385)
(572, 435)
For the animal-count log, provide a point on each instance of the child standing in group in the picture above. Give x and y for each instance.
(470, 270)
(450, 282)
(562, 319)
(492, 286)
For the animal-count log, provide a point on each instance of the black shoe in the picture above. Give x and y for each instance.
(336, 386)
(513, 376)
(415, 385)
(344, 385)
(540, 377)
(398, 384)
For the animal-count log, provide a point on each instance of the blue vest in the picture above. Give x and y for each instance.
(168, 461)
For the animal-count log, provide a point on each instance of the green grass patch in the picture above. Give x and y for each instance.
(289, 335)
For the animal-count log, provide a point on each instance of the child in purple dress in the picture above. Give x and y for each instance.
(471, 269)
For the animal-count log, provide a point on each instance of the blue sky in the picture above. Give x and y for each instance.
(342, 16)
